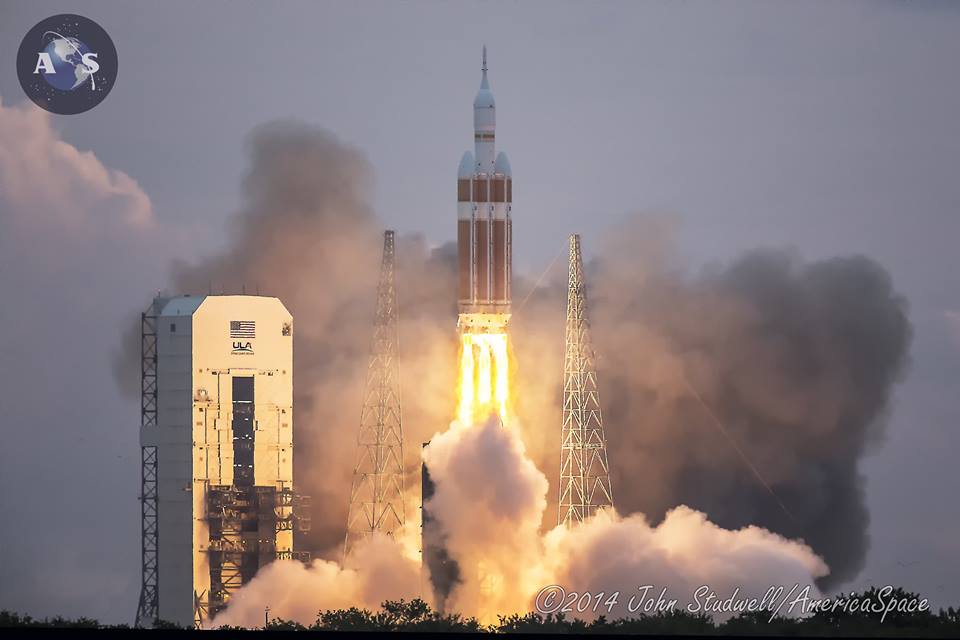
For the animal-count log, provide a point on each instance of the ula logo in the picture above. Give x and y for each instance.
(67, 64)
(242, 347)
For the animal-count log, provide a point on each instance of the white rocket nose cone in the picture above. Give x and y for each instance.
(502, 165)
(466, 165)
(484, 99)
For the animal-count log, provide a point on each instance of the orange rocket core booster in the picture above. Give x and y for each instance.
(484, 229)
(485, 255)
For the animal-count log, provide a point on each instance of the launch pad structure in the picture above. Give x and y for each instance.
(584, 468)
(376, 492)
(216, 435)
(148, 607)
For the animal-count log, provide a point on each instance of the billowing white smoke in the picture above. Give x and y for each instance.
(379, 569)
(686, 555)
(489, 500)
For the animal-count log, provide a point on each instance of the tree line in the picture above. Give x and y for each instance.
(417, 616)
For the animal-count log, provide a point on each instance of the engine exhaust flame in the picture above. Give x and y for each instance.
(484, 384)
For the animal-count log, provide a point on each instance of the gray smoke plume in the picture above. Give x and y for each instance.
(796, 359)
(308, 235)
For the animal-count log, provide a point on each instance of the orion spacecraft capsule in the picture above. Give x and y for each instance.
(484, 234)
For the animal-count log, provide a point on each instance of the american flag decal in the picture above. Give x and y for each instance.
(243, 329)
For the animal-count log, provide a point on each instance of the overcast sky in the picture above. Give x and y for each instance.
(831, 127)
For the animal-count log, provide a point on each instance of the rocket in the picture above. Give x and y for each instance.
(484, 234)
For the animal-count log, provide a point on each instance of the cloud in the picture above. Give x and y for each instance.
(49, 186)
(78, 243)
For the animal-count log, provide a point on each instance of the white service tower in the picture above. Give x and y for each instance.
(217, 450)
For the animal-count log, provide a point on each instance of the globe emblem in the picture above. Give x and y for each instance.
(67, 53)
(67, 64)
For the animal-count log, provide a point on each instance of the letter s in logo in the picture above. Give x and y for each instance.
(90, 62)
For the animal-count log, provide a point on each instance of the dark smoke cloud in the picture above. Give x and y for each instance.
(308, 235)
(797, 359)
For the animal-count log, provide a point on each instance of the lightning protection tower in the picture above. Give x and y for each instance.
(376, 496)
(584, 470)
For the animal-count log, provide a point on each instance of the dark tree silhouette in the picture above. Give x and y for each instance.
(416, 615)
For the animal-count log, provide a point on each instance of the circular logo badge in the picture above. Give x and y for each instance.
(67, 64)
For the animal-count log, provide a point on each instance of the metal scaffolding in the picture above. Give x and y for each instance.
(376, 495)
(148, 605)
(243, 523)
(584, 469)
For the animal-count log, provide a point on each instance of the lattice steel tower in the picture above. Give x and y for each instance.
(148, 607)
(376, 497)
(584, 470)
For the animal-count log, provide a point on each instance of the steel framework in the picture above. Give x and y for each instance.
(376, 494)
(584, 469)
(243, 525)
(148, 605)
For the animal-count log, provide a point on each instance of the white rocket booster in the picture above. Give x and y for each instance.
(484, 234)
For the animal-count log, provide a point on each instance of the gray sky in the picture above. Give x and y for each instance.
(833, 127)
